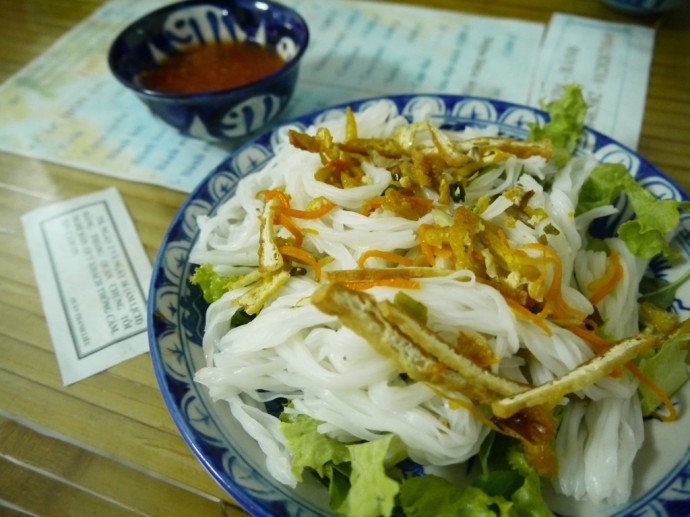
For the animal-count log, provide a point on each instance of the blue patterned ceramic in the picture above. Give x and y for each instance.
(223, 115)
(643, 7)
(176, 321)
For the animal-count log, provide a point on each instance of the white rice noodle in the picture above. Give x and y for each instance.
(263, 428)
(597, 444)
(571, 177)
(619, 309)
(454, 305)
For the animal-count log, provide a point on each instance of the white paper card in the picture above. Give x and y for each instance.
(610, 60)
(93, 275)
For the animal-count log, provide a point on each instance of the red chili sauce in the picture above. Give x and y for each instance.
(208, 68)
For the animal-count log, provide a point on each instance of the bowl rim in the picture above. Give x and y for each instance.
(198, 96)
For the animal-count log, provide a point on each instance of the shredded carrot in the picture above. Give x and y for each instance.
(337, 164)
(316, 213)
(600, 344)
(302, 256)
(402, 283)
(526, 314)
(386, 255)
(601, 287)
(291, 227)
(672, 413)
(282, 196)
(504, 240)
(555, 306)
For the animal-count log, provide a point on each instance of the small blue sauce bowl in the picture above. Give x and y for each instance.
(228, 114)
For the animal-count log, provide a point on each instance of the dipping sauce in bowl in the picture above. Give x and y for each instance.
(210, 68)
(213, 69)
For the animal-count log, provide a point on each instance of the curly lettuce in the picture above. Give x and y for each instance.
(356, 474)
(565, 125)
(212, 285)
(646, 235)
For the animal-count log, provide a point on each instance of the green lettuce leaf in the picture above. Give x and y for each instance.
(528, 498)
(310, 448)
(667, 369)
(373, 492)
(418, 495)
(645, 235)
(212, 285)
(360, 484)
(565, 125)
(356, 474)
(661, 292)
(505, 473)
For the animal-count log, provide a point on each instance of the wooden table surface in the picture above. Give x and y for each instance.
(107, 445)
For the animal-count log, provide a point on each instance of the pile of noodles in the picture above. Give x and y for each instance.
(293, 351)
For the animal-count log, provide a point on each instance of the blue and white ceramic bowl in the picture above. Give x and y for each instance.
(222, 115)
(643, 7)
(176, 316)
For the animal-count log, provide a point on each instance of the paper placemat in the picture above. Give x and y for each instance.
(65, 106)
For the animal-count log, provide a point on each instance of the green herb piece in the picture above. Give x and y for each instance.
(412, 307)
(528, 498)
(433, 495)
(507, 474)
(457, 192)
(667, 369)
(240, 317)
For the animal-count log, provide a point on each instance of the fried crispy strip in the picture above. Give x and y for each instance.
(595, 369)
(270, 259)
(362, 314)
(373, 274)
(431, 344)
(255, 298)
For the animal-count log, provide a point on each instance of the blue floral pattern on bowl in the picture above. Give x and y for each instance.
(176, 321)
